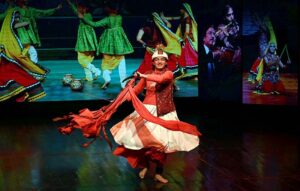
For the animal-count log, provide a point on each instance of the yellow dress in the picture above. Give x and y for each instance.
(13, 48)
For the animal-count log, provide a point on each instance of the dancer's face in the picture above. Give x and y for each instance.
(160, 62)
(272, 48)
(82, 9)
(11, 2)
(25, 2)
(182, 12)
(22, 2)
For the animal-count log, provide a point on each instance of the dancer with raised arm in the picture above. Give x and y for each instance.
(113, 44)
(151, 131)
(86, 44)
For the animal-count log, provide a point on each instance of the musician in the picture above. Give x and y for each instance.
(208, 65)
(228, 38)
(229, 62)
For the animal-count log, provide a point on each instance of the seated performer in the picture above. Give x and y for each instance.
(270, 76)
(264, 73)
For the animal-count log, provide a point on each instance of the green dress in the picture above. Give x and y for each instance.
(113, 40)
(29, 34)
(86, 36)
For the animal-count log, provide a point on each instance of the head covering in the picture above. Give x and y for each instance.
(85, 5)
(159, 53)
(111, 7)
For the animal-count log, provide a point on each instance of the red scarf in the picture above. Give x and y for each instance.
(91, 123)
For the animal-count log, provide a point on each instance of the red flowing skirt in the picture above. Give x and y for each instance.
(15, 81)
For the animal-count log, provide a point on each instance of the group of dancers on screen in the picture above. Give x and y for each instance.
(19, 39)
(153, 129)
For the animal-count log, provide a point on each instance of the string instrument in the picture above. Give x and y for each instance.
(226, 55)
(229, 29)
(229, 55)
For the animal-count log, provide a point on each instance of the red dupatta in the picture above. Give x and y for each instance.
(92, 123)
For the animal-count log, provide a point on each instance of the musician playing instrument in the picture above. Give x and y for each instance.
(228, 35)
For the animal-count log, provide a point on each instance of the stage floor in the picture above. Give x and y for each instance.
(57, 92)
(290, 82)
(35, 156)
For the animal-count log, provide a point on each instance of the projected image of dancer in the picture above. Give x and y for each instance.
(13, 46)
(270, 72)
(86, 44)
(29, 35)
(17, 84)
(113, 44)
(155, 34)
(188, 31)
(265, 71)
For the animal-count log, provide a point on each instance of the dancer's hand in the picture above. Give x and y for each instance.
(80, 15)
(162, 14)
(137, 74)
(182, 43)
(69, 2)
(58, 7)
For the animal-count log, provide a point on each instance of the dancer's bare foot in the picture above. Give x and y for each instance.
(160, 178)
(143, 173)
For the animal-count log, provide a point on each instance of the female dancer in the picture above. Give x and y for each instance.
(187, 30)
(15, 82)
